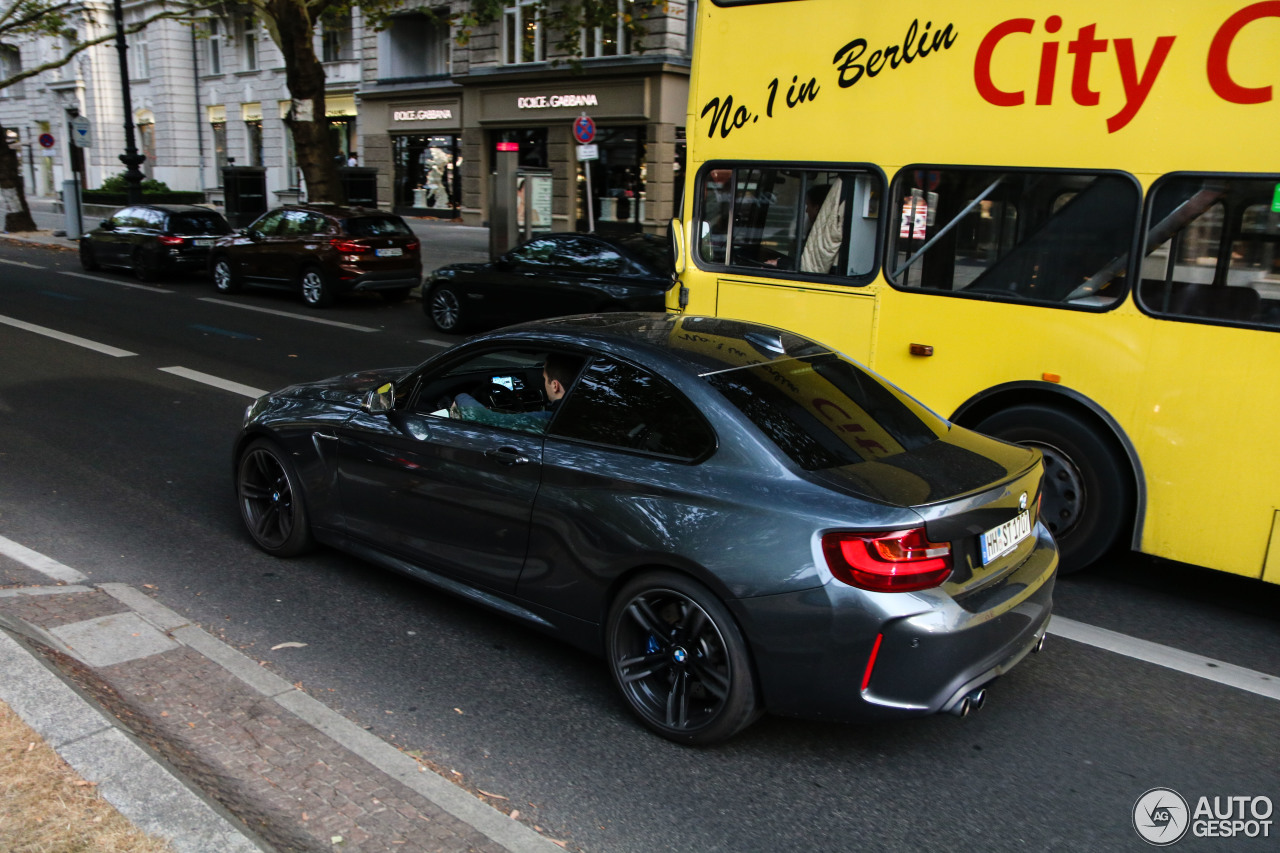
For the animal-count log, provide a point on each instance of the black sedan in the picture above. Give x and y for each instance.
(738, 518)
(551, 276)
(152, 240)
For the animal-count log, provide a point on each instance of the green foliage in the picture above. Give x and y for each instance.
(120, 184)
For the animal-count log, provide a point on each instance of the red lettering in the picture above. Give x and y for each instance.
(1220, 51)
(1136, 89)
(982, 63)
(1084, 47)
(1048, 63)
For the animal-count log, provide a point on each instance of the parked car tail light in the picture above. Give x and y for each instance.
(349, 247)
(411, 246)
(170, 240)
(887, 562)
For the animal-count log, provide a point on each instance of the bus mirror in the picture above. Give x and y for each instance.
(675, 233)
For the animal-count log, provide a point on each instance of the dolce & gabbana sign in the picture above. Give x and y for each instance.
(545, 102)
(437, 114)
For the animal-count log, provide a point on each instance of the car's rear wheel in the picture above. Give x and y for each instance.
(88, 260)
(400, 294)
(317, 290)
(143, 269)
(225, 278)
(444, 307)
(679, 659)
(270, 499)
(1088, 488)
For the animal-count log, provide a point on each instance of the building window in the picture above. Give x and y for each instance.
(147, 143)
(254, 141)
(249, 43)
(611, 38)
(343, 131)
(10, 64)
(335, 40)
(213, 45)
(139, 56)
(413, 46)
(524, 38)
(219, 129)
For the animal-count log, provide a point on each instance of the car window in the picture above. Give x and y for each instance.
(586, 255)
(825, 411)
(378, 226)
(540, 252)
(297, 223)
(500, 388)
(191, 224)
(269, 223)
(152, 218)
(317, 224)
(127, 218)
(621, 405)
(651, 250)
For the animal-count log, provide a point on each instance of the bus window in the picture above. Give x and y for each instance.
(1212, 251)
(1052, 237)
(792, 220)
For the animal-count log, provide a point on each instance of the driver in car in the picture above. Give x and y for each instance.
(558, 372)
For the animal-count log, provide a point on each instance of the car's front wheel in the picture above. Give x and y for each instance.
(679, 659)
(317, 291)
(270, 499)
(444, 307)
(225, 278)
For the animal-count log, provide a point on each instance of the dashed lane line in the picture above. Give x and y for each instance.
(1144, 650)
(64, 337)
(116, 281)
(35, 560)
(214, 381)
(21, 264)
(290, 314)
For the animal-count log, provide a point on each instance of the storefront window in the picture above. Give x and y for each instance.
(617, 181)
(428, 172)
(343, 131)
(533, 146)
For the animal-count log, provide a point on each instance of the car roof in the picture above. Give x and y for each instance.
(172, 208)
(703, 345)
(339, 211)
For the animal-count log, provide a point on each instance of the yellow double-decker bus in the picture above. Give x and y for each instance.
(1058, 223)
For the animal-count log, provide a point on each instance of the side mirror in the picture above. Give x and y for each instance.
(380, 400)
(675, 233)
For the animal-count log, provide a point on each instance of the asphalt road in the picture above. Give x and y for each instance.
(118, 465)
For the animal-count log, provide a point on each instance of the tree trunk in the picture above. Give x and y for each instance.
(13, 199)
(304, 74)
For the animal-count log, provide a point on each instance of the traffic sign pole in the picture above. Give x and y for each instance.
(584, 130)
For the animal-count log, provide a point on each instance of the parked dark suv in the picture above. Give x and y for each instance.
(154, 239)
(321, 251)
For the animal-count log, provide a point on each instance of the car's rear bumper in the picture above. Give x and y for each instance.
(359, 280)
(813, 649)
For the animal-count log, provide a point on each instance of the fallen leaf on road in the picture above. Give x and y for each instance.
(515, 814)
(458, 710)
(289, 645)
(495, 796)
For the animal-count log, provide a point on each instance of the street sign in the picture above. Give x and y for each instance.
(80, 132)
(46, 140)
(588, 152)
(584, 129)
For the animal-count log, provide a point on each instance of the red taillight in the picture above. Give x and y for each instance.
(167, 240)
(887, 562)
(411, 247)
(348, 247)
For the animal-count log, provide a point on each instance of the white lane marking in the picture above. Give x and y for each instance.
(21, 264)
(1175, 659)
(116, 281)
(435, 343)
(215, 381)
(290, 314)
(64, 337)
(42, 564)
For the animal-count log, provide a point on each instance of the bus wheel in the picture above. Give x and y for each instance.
(1088, 493)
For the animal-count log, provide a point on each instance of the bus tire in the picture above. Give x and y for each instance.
(1088, 490)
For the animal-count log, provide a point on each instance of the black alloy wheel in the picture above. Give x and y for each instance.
(1088, 491)
(271, 504)
(444, 307)
(317, 291)
(88, 260)
(679, 660)
(225, 279)
(143, 270)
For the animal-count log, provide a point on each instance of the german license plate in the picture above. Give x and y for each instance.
(998, 541)
(202, 242)
(389, 253)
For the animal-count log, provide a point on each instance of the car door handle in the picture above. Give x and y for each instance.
(507, 456)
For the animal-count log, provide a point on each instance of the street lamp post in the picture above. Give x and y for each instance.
(131, 158)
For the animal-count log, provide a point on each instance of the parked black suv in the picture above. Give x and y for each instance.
(321, 250)
(154, 239)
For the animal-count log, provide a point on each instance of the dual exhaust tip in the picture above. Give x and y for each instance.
(975, 700)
